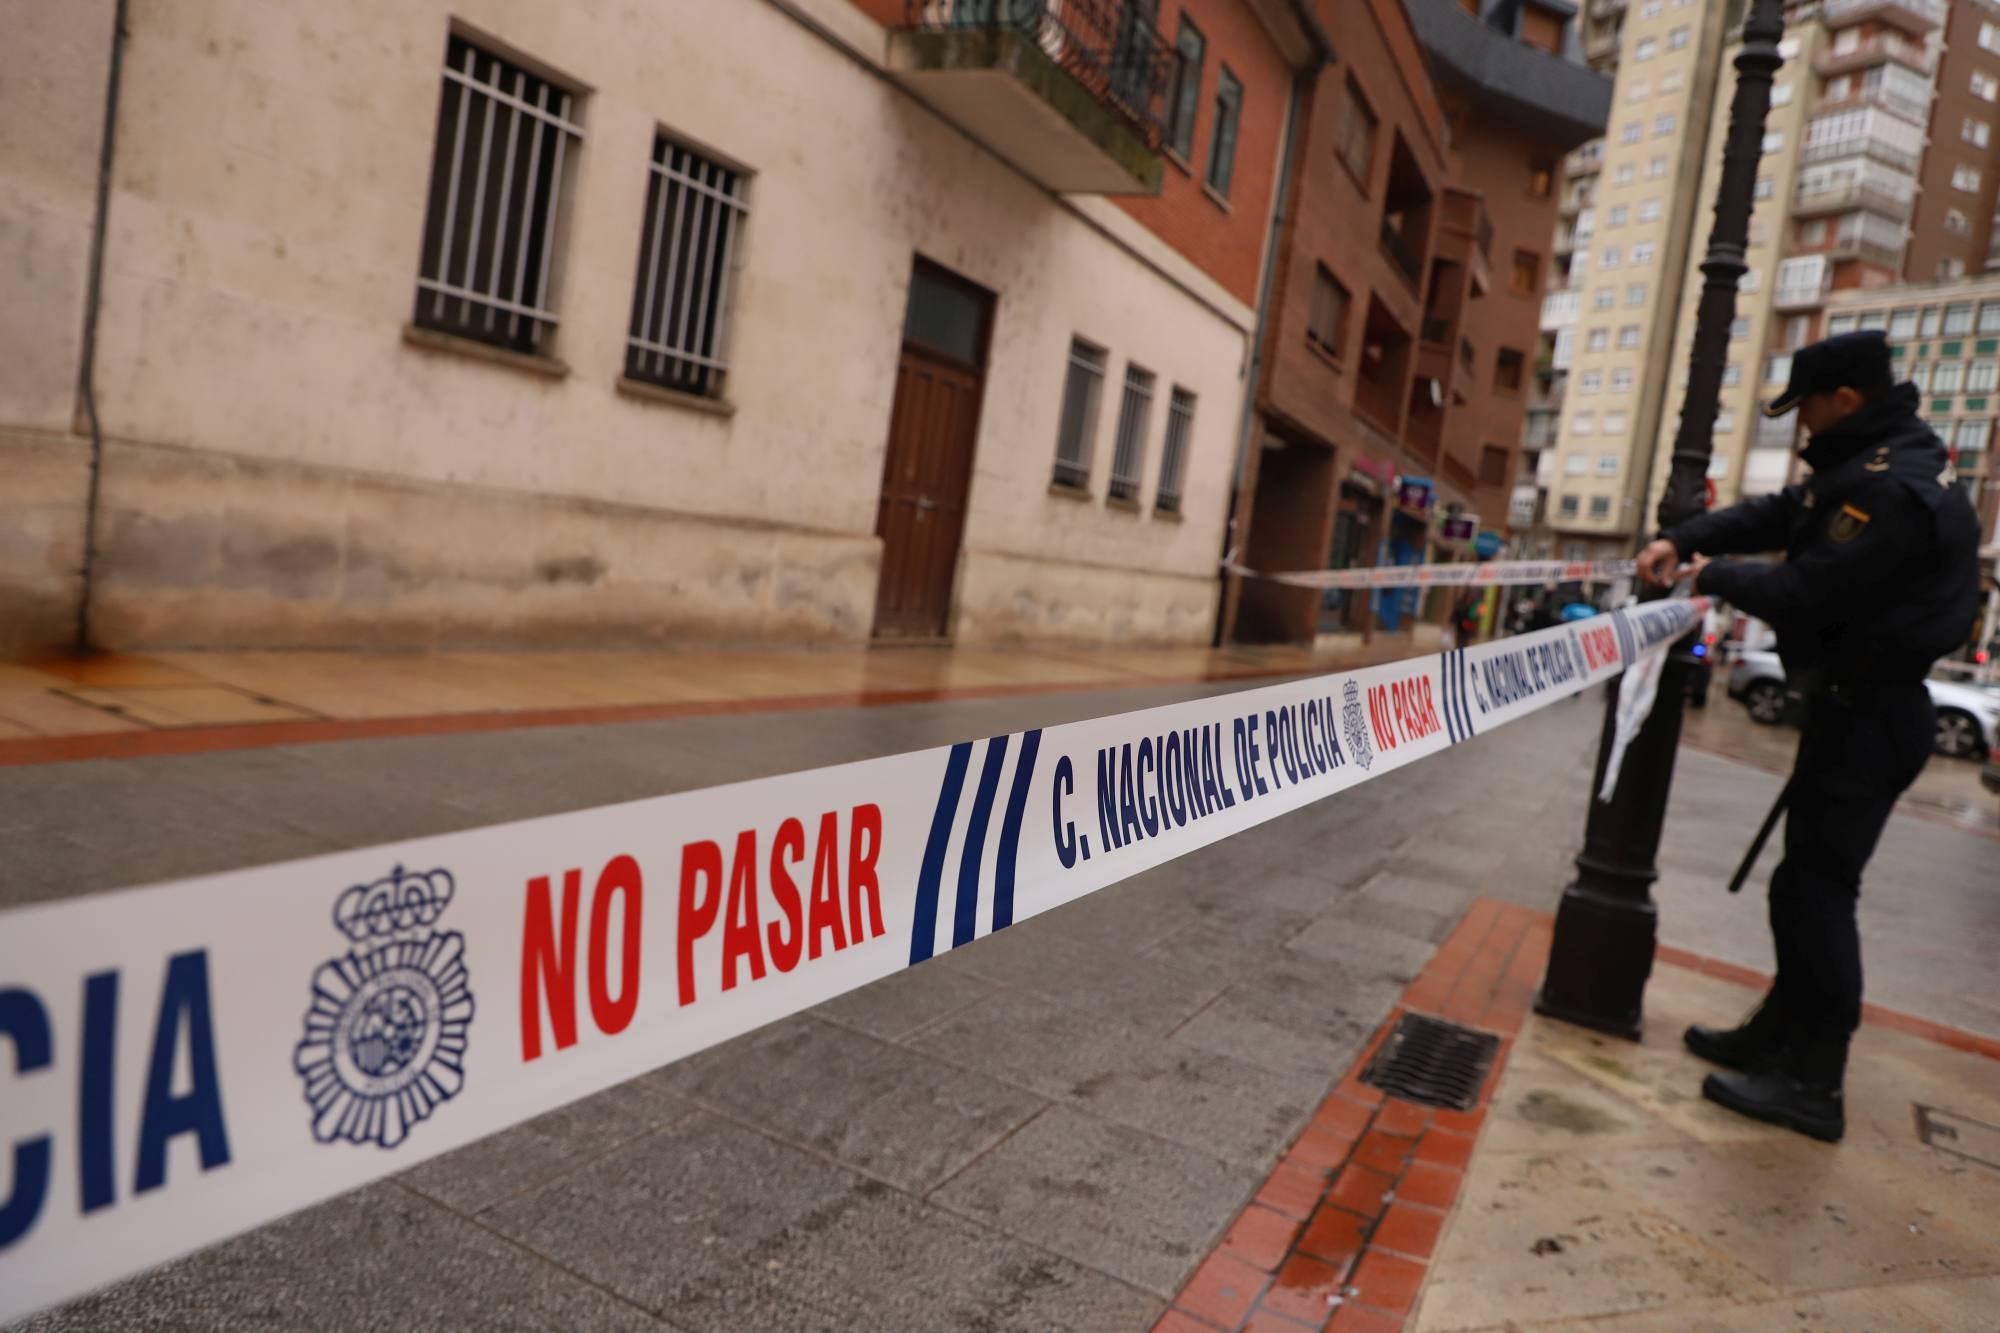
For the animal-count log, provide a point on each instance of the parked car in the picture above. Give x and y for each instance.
(1968, 716)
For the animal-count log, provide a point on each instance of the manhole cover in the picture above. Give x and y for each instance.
(1433, 1062)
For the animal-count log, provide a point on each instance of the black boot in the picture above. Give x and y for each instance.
(1779, 1098)
(1753, 1045)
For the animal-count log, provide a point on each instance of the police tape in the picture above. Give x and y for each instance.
(1486, 574)
(193, 1059)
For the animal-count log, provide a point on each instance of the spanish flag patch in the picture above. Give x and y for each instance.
(1847, 524)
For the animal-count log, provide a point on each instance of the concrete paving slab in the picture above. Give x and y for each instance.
(900, 1004)
(890, 1111)
(1114, 1199)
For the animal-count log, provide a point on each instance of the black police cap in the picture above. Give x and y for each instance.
(1858, 360)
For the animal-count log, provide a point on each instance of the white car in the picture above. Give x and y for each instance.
(1968, 716)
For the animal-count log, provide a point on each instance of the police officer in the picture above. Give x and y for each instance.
(1879, 580)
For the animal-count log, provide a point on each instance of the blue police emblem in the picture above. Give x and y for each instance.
(1355, 726)
(384, 1041)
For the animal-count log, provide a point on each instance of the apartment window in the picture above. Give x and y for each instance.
(1732, 373)
(1920, 375)
(1642, 253)
(1507, 370)
(1837, 324)
(1950, 268)
(1956, 222)
(1933, 320)
(1781, 94)
(1635, 294)
(1628, 337)
(1813, 233)
(1663, 125)
(1989, 317)
(1599, 341)
(1989, 38)
(1766, 187)
(1976, 132)
(1625, 174)
(1356, 147)
(1527, 272)
(1173, 460)
(1604, 298)
(1945, 376)
(1607, 465)
(1639, 91)
(1965, 178)
(1677, 38)
(1590, 381)
(1778, 370)
(1656, 168)
(1328, 321)
(1903, 324)
(1542, 177)
(1647, 48)
(1788, 49)
(1649, 210)
(1576, 465)
(1774, 141)
(1877, 319)
(1075, 432)
(1134, 411)
(1620, 215)
(1611, 257)
(1670, 82)
(1600, 506)
(1982, 377)
(1630, 131)
(1725, 421)
(1751, 281)
(694, 210)
(1583, 423)
(1652, 9)
(1222, 140)
(1798, 331)
(1567, 506)
(1970, 437)
(497, 175)
(1614, 423)
(1739, 328)
(1985, 87)
(1621, 381)
(1190, 50)
(1958, 318)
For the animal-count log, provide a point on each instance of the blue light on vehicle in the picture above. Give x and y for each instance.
(1701, 650)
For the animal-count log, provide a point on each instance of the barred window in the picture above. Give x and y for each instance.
(694, 210)
(497, 174)
(1078, 425)
(1134, 412)
(1173, 461)
(1328, 318)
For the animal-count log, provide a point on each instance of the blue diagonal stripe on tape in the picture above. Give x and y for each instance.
(1461, 695)
(965, 919)
(1010, 830)
(1446, 674)
(924, 929)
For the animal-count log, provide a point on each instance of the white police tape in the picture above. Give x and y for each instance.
(182, 1062)
(1486, 574)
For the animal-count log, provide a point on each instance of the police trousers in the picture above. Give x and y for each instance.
(1858, 752)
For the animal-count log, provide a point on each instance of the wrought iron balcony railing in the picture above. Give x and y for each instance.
(1111, 47)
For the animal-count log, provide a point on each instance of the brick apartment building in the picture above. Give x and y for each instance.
(1412, 256)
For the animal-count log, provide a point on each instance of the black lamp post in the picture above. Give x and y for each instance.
(1602, 952)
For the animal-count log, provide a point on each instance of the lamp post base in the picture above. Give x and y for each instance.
(1599, 961)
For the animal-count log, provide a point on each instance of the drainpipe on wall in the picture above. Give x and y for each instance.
(1301, 85)
(87, 366)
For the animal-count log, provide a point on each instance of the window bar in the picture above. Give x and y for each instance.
(463, 294)
(704, 219)
(557, 119)
(673, 264)
(710, 284)
(732, 219)
(451, 183)
(527, 204)
(478, 204)
(506, 190)
(652, 306)
(549, 223)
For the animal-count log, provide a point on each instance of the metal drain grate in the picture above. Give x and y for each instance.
(1433, 1062)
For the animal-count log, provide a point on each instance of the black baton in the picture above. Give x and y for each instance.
(1763, 836)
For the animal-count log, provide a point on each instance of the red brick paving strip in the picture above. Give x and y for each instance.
(1373, 1178)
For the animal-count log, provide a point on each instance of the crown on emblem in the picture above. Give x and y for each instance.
(400, 900)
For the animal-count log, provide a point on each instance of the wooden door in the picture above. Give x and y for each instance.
(927, 473)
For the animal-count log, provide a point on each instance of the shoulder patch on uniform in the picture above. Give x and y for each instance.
(1847, 524)
(1879, 463)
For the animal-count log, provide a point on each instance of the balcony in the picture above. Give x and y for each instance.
(1875, 249)
(1873, 51)
(1406, 260)
(1560, 309)
(1533, 92)
(1465, 236)
(1800, 296)
(1913, 109)
(1073, 94)
(1540, 432)
(1916, 17)
(1590, 160)
(1844, 198)
(1872, 146)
